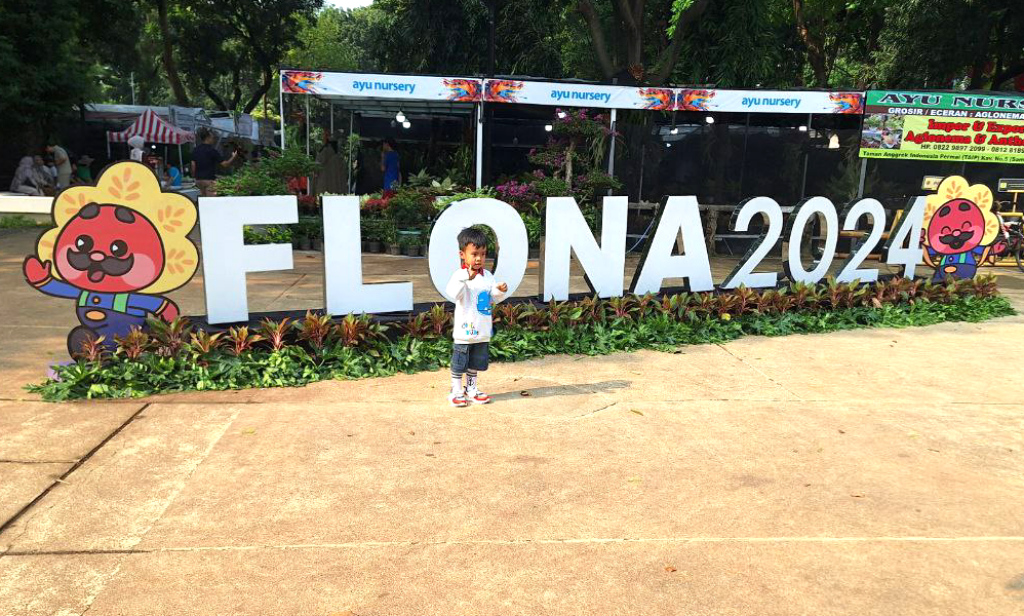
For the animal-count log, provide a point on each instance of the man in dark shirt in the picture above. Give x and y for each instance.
(205, 159)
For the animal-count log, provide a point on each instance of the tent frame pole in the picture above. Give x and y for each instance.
(479, 145)
(348, 149)
(280, 104)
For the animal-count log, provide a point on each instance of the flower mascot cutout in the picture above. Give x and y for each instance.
(959, 229)
(116, 248)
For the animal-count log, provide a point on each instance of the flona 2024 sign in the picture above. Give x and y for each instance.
(117, 248)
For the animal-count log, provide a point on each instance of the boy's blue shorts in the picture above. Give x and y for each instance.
(470, 357)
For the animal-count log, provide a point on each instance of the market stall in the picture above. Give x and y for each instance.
(153, 129)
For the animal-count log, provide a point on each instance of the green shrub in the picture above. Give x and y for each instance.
(19, 221)
(316, 348)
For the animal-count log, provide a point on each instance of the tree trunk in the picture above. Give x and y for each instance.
(597, 38)
(568, 163)
(180, 95)
(217, 100)
(815, 47)
(669, 57)
(268, 78)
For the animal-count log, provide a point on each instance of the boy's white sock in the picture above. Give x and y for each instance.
(457, 385)
(471, 380)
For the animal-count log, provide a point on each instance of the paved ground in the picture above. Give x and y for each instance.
(871, 472)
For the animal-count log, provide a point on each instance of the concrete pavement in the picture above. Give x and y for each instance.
(866, 472)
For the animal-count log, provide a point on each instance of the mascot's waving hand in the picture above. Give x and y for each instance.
(115, 249)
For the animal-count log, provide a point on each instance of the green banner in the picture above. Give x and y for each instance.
(943, 126)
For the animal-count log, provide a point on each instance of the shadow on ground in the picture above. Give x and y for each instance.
(563, 390)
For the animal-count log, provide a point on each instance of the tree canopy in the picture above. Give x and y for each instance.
(224, 54)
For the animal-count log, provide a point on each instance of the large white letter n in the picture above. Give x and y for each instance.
(566, 231)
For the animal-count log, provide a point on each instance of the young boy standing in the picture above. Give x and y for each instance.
(474, 290)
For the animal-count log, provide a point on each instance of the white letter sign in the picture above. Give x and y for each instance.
(344, 291)
(658, 262)
(226, 258)
(443, 251)
(566, 231)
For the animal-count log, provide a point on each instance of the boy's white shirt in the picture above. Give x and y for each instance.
(473, 322)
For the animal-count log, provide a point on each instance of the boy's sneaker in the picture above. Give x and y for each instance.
(458, 400)
(477, 397)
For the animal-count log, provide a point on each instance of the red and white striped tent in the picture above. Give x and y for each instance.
(153, 129)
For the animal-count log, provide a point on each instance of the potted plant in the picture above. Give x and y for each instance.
(372, 231)
(410, 245)
(534, 223)
(389, 236)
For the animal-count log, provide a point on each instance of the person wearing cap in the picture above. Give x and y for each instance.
(138, 147)
(84, 171)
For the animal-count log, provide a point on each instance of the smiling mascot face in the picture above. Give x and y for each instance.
(124, 234)
(109, 248)
(959, 217)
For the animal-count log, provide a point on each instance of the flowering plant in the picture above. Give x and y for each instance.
(517, 194)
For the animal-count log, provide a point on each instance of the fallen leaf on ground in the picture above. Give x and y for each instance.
(636, 411)
(670, 569)
(857, 495)
(524, 393)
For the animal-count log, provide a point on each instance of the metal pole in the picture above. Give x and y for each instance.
(643, 155)
(863, 176)
(807, 156)
(307, 125)
(280, 107)
(479, 145)
(743, 165)
(181, 161)
(332, 119)
(611, 149)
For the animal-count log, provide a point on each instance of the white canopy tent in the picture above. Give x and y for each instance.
(385, 95)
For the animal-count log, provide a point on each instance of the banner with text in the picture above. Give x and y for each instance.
(408, 87)
(769, 101)
(943, 126)
(564, 94)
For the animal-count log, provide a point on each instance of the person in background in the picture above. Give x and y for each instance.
(25, 179)
(62, 163)
(138, 145)
(84, 171)
(172, 176)
(51, 171)
(205, 160)
(43, 178)
(389, 165)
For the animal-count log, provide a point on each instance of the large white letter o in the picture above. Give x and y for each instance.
(443, 251)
